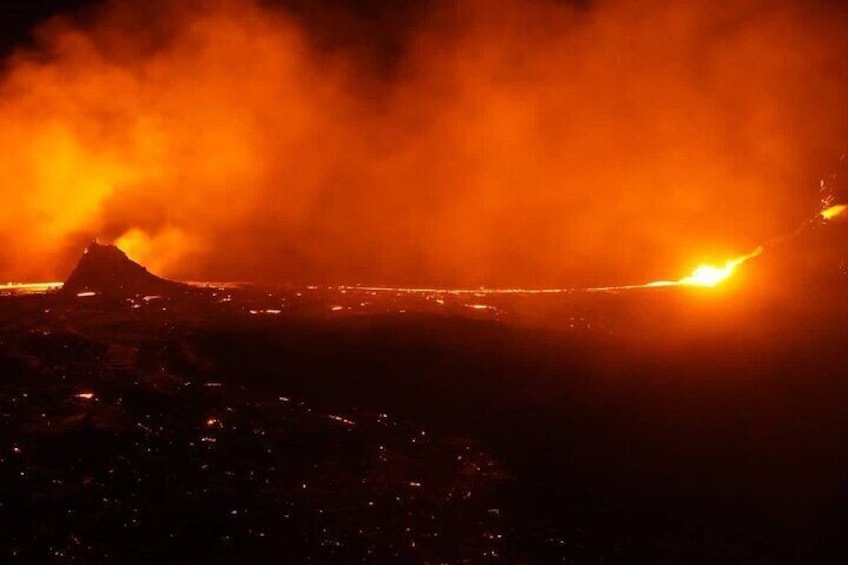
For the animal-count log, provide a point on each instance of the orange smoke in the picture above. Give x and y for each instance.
(526, 142)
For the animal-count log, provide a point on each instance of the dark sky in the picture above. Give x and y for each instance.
(17, 18)
(380, 20)
(383, 22)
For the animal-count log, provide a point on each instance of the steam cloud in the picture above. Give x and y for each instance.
(521, 142)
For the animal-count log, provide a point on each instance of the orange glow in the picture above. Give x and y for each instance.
(833, 211)
(85, 395)
(157, 252)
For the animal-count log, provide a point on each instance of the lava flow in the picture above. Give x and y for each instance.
(703, 276)
(710, 275)
(27, 288)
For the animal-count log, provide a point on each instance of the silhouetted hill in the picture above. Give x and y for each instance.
(106, 269)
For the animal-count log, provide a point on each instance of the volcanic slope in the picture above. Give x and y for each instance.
(105, 269)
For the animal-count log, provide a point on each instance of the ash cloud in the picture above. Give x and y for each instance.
(523, 142)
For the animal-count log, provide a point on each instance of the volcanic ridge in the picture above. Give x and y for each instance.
(105, 269)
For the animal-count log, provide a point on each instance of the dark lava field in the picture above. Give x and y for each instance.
(232, 424)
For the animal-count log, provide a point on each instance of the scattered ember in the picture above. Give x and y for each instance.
(341, 420)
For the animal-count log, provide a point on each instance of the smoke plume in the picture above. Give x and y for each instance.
(528, 142)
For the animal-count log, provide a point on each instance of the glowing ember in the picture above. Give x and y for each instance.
(85, 395)
(86, 294)
(833, 211)
(341, 420)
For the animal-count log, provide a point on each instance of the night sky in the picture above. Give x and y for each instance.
(20, 16)
(354, 20)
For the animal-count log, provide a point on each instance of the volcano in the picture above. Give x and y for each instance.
(107, 270)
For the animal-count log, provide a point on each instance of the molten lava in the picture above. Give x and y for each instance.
(833, 211)
(704, 276)
(710, 276)
(25, 288)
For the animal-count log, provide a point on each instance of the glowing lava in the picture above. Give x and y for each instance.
(704, 276)
(30, 288)
(710, 275)
(833, 211)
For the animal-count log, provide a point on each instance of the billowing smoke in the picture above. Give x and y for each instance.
(525, 142)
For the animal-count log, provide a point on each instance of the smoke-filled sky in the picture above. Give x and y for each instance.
(531, 142)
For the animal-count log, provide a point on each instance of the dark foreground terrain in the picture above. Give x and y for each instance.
(336, 426)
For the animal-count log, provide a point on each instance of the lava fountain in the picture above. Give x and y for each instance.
(710, 275)
(833, 211)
